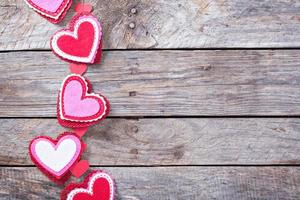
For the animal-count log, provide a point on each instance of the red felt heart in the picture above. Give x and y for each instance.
(77, 107)
(81, 43)
(98, 185)
(83, 7)
(52, 10)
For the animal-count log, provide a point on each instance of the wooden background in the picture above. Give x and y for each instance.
(204, 94)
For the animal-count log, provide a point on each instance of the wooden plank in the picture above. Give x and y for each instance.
(221, 183)
(165, 24)
(184, 141)
(160, 83)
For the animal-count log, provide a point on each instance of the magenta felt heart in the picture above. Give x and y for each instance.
(53, 10)
(77, 104)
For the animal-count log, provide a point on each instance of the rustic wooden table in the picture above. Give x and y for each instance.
(205, 98)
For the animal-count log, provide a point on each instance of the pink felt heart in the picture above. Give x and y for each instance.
(81, 43)
(55, 157)
(53, 10)
(76, 104)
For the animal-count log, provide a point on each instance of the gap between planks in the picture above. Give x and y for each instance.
(171, 49)
(168, 166)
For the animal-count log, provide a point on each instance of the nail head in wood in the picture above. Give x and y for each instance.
(133, 10)
(132, 25)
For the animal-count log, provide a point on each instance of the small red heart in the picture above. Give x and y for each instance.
(80, 7)
(97, 185)
(80, 168)
(78, 68)
(80, 131)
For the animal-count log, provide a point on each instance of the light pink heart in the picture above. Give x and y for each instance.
(75, 104)
(48, 5)
(52, 10)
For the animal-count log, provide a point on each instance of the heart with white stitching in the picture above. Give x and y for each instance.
(97, 185)
(77, 106)
(81, 43)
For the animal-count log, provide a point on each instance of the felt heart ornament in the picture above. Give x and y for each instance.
(56, 157)
(81, 43)
(52, 10)
(96, 186)
(77, 106)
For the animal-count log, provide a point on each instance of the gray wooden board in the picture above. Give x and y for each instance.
(160, 83)
(165, 24)
(185, 141)
(164, 183)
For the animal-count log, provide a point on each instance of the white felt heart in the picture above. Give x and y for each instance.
(56, 158)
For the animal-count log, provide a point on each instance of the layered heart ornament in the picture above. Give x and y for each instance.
(96, 186)
(55, 158)
(81, 43)
(77, 106)
(52, 10)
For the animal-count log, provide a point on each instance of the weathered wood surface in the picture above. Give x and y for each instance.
(221, 183)
(160, 83)
(165, 24)
(186, 141)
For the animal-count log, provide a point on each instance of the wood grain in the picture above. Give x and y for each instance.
(161, 83)
(185, 141)
(165, 24)
(220, 183)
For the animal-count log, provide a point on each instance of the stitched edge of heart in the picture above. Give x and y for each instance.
(87, 185)
(84, 84)
(52, 15)
(72, 31)
(60, 18)
(71, 124)
(62, 178)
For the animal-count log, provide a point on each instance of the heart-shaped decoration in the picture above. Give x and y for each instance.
(56, 157)
(81, 43)
(97, 186)
(77, 107)
(52, 10)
